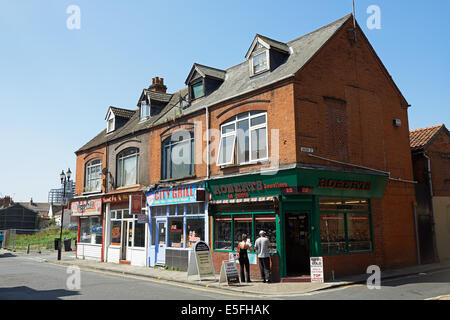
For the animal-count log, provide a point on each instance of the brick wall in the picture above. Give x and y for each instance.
(82, 160)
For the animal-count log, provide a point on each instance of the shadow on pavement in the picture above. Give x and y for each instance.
(27, 293)
(7, 255)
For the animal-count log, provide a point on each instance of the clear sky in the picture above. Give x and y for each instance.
(56, 84)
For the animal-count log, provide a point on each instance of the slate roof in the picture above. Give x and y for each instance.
(237, 82)
(420, 139)
(123, 113)
(206, 71)
(158, 96)
(36, 206)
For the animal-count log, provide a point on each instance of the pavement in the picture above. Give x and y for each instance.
(256, 288)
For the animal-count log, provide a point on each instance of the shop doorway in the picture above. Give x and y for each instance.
(127, 240)
(161, 230)
(297, 244)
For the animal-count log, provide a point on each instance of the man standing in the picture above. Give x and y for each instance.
(262, 247)
(1, 239)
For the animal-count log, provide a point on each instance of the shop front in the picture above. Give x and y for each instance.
(304, 212)
(90, 228)
(127, 225)
(177, 222)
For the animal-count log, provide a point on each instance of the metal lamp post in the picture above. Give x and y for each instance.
(65, 178)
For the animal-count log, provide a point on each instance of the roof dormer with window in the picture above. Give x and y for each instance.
(116, 118)
(154, 99)
(266, 55)
(203, 80)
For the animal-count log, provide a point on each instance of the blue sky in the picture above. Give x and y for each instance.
(56, 84)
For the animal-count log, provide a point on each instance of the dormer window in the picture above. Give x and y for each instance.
(110, 125)
(145, 110)
(203, 80)
(266, 55)
(260, 62)
(198, 90)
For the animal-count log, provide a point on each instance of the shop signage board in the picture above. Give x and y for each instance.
(116, 198)
(142, 218)
(200, 261)
(86, 208)
(317, 269)
(136, 204)
(176, 195)
(229, 273)
(299, 181)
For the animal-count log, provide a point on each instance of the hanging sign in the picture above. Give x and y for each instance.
(317, 269)
(229, 273)
(136, 204)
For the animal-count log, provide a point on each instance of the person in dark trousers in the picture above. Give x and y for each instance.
(262, 247)
(243, 248)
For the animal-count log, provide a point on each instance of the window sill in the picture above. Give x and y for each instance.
(176, 179)
(258, 162)
(88, 193)
(128, 187)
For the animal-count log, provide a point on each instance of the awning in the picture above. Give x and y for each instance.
(243, 200)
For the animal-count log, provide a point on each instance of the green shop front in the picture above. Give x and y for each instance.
(304, 212)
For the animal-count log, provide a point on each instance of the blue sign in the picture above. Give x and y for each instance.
(178, 195)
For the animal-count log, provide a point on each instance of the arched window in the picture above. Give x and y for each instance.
(178, 155)
(128, 167)
(93, 181)
(243, 139)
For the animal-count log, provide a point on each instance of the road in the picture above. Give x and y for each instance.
(28, 278)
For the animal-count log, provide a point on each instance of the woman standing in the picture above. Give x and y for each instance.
(243, 247)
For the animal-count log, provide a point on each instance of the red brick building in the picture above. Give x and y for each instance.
(309, 140)
(430, 149)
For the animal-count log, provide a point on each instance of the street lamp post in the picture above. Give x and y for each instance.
(65, 178)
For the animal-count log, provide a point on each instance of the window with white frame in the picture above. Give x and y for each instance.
(110, 125)
(244, 139)
(93, 182)
(128, 167)
(145, 110)
(260, 62)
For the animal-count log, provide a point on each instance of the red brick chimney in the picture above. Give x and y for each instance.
(158, 85)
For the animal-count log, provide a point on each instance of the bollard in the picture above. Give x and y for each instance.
(28, 249)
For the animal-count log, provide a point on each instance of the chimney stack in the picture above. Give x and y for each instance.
(158, 85)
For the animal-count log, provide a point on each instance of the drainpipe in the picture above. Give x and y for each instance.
(207, 143)
(433, 225)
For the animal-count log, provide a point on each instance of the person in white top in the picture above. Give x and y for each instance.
(262, 247)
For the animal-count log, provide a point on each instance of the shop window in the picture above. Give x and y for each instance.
(195, 231)
(153, 232)
(176, 233)
(269, 225)
(332, 233)
(91, 230)
(337, 204)
(222, 233)
(242, 225)
(345, 225)
(180, 209)
(139, 234)
(178, 156)
(115, 232)
(359, 238)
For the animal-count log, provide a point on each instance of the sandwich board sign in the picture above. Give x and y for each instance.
(317, 269)
(200, 261)
(229, 273)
